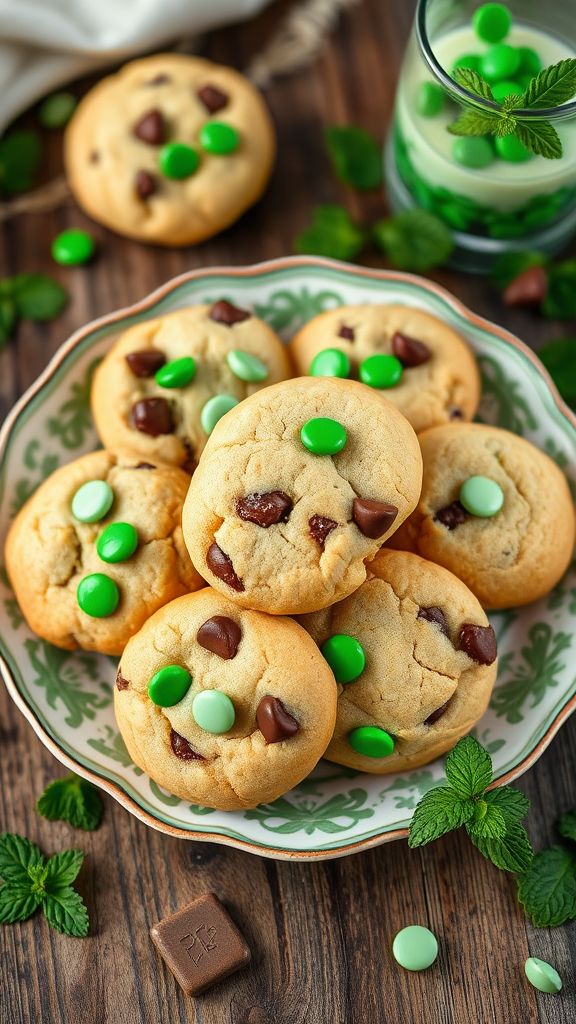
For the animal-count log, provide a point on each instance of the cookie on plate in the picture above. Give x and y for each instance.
(415, 657)
(98, 548)
(495, 510)
(297, 487)
(221, 706)
(418, 362)
(171, 149)
(164, 383)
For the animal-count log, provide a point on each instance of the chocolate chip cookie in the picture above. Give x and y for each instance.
(224, 707)
(415, 657)
(297, 487)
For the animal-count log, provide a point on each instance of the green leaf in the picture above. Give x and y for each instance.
(548, 889)
(331, 233)
(477, 122)
(474, 82)
(38, 297)
(559, 358)
(17, 856)
(71, 799)
(414, 240)
(62, 869)
(356, 157)
(512, 852)
(511, 102)
(19, 159)
(540, 137)
(488, 822)
(560, 302)
(66, 912)
(511, 803)
(8, 318)
(567, 825)
(552, 86)
(469, 767)
(509, 265)
(439, 811)
(17, 903)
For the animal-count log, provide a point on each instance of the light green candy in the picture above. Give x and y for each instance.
(246, 367)
(213, 711)
(415, 948)
(481, 496)
(542, 975)
(214, 409)
(92, 501)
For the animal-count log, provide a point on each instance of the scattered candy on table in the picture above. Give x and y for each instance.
(415, 948)
(73, 247)
(542, 975)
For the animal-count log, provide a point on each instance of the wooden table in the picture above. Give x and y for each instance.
(320, 933)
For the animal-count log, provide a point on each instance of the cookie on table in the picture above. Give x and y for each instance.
(418, 362)
(495, 510)
(165, 382)
(171, 149)
(297, 487)
(221, 706)
(98, 548)
(415, 657)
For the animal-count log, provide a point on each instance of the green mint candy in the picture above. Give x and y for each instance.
(177, 373)
(481, 496)
(430, 99)
(92, 501)
(98, 595)
(381, 371)
(467, 60)
(177, 160)
(169, 685)
(500, 62)
(346, 657)
(323, 436)
(214, 409)
(542, 976)
(510, 148)
(246, 366)
(492, 22)
(330, 362)
(472, 152)
(219, 138)
(371, 741)
(415, 948)
(530, 63)
(72, 247)
(503, 89)
(56, 110)
(117, 542)
(213, 711)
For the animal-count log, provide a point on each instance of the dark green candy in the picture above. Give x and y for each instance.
(177, 373)
(346, 657)
(219, 138)
(510, 148)
(500, 62)
(98, 595)
(492, 22)
(177, 160)
(503, 89)
(430, 99)
(330, 362)
(169, 685)
(323, 436)
(381, 371)
(72, 247)
(371, 741)
(472, 152)
(56, 110)
(117, 542)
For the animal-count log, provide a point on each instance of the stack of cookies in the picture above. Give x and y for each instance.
(317, 586)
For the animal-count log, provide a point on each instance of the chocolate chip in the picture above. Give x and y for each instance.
(437, 714)
(182, 748)
(455, 413)
(273, 720)
(152, 416)
(410, 351)
(346, 332)
(212, 98)
(121, 683)
(190, 463)
(320, 527)
(145, 184)
(479, 643)
(527, 289)
(225, 313)
(265, 509)
(94, 157)
(160, 79)
(151, 128)
(144, 465)
(435, 615)
(220, 635)
(451, 516)
(221, 565)
(373, 518)
(145, 362)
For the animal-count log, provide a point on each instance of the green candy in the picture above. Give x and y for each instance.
(98, 595)
(530, 63)
(56, 110)
(430, 99)
(213, 711)
(246, 366)
(117, 542)
(503, 89)
(492, 22)
(467, 60)
(323, 436)
(72, 247)
(500, 62)
(481, 496)
(381, 371)
(510, 148)
(346, 657)
(371, 741)
(177, 373)
(219, 138)
(214, 409)
(542, 976)
(472, 152)
(415, 948)
(177, 160)
(169, 685)
(330, 362)
(92, 501)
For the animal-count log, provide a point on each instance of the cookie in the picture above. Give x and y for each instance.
(494, 510)
(415, 657)
(171, 149)
(165, 382)
(98, 548)
(419, 363)
(224, 707)
(297, 487)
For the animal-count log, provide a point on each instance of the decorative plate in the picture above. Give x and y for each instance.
(67, 697)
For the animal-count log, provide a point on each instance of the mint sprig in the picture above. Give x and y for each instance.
(332, 233)
(355, 155)
(547, 891)
(28, 297)
(71, 799)
(19, 161)
(32, 882)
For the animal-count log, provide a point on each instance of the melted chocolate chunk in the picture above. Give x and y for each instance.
(437, 714)
(455, 413)
(153, 416)
(145, 184)
(225, 313)
(160, 79)
(121, 683)
(221, 565)
(145, 362)
(373, 518)
(346, 332)
(190, 463)
(527, 289)
(479, 643)
(273, 720)
(212, 98)
(265, 509)
(435, 615)
(451, 516)
(410, 351)
(220, 635)
(94, 157)
(151, 128)
(320, 527)
(182, 748)
(144, 465)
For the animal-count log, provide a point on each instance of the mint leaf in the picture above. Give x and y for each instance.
(552, 86)
(540, 137)
(548, 889)
(356, 157)
(38, 297)
(17, 903)
(512, 804)
(477, 122)
(19, 159)
(439, 811)
(469, 767)
(414, 240)
(512, 852)
(8, 317)
(559, 358)
(560, 302)
(71, 799)
(332, 233)
(488, 822)
(474, 82)
(17, 856)
(66, 912)
(507, 267)
(62, 869)
(567, 825)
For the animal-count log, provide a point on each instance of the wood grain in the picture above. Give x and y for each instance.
(320, 933)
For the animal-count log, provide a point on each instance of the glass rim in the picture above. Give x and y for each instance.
(544, 113)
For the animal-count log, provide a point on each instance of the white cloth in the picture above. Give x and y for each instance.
(45, 43)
